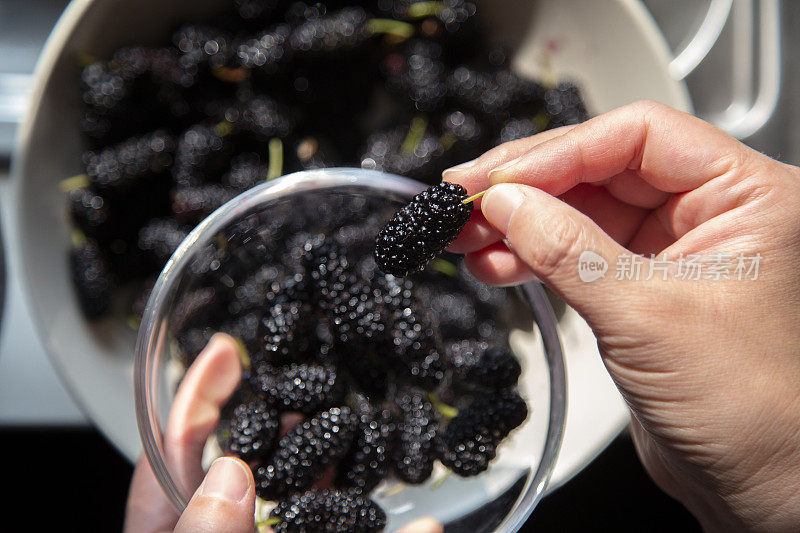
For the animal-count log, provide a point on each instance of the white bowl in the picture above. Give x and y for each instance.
(611, 47)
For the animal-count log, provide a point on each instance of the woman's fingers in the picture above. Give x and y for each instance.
(477, 234)
(551, 238)
(669, 150)
(618, 219)
(473, 175)
(207, 385)
(225, 501)
(497, 265)
(148, 510)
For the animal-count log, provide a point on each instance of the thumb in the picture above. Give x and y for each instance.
(225, 501)
(563, 247)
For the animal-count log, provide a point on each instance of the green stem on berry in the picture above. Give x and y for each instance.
(438, 483)
(395, 28)
(447, 141)
(269, 522)
(447, 411)
(420, 10)
(78, 238)
(445, 267)
(223, 129)
(416, 132)
(275, 157)
(75, 182)
(474, 197)
(541, 120)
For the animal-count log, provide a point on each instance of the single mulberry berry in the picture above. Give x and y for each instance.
(120, 167)
(161, 237)
(368, 462)
(89, 212)
(328, 511)
(474, 363)
(414, 151)
(517, 128)
(284, 333)
(267, 52)
(303, 454)
(246, 172)
(417, 425)
(192, 203)
(422, 229)
(340, 31)
(419, 74)
(303, 387)
(91, 277)
(202, 155)
(469, 442)
(252, 430)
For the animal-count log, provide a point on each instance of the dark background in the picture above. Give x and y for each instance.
(73, 478)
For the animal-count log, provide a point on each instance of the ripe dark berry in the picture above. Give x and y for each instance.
(202, 155)
(104, 90)
(201, 45)
(191, 204)
(328, 511)
(340, 31)
(303, 454)
(252, 430)
(474, 363)
(418, 73)
(324, 262)
(246, 172)
(417, 425)
(120, 167)
(267, 52)
(284, 332)
(564, 105)
(517, 128)
(303, 387)
(161, 237)
(368, 462)
(92, 279)
(89, 212)
(262, 118)
(469, 442)
(414, 151)
(422, 229)
(415, 344)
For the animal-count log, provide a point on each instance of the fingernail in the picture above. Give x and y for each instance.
(227, 479)
(459, 168)
(497, 175)
(500, 203)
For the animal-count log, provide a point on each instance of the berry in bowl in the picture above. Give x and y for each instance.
(356, 397)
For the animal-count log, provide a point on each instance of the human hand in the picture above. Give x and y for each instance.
(708, 367)
(224, 498)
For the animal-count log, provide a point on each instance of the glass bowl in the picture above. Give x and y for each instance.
(499, 499)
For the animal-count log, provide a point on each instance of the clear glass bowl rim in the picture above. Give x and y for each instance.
(314, 180)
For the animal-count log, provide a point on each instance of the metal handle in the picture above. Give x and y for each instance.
(748, 110)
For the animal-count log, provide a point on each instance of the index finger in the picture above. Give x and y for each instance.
(208, 383)
(671, 151)
(474, 175)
